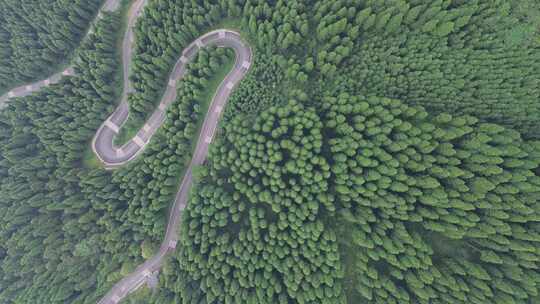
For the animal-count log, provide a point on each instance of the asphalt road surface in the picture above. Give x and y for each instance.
(116, 156)
(113, 157)
(108, 6)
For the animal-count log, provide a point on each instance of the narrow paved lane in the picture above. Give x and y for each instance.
(113, 157)
(27, 89)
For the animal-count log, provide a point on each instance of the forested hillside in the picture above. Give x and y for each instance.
(52, 248)
(376, 152)
(90, 225)
(37, 35)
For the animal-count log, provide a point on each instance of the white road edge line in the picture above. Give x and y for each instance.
(115, 299)
(126, 284)
(111, 125)
(108, 6)
(138, 141)
(120, 152)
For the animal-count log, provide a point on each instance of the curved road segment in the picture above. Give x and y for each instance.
(24, 90)
(113, 157)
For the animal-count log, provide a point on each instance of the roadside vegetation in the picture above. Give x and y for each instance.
(376, 152)
(38, 36)
(56, 224)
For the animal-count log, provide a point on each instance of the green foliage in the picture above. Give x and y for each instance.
(37, 35)
(261, 88)
(277, 25)
(170, 26)
(394, 166)
(57, 235)
(315, 190)
(374, 184)
(252, 233)
(85, 223)
(468, 59)
(152, 181)
(527, 30)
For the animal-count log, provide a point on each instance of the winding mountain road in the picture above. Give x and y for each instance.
(27, 89)
(113, 157)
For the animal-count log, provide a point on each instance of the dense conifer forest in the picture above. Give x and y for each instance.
(376, 152)
(37, 35)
